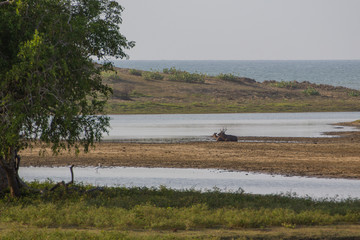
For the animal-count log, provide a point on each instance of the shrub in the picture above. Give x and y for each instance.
(111, 76)
(172, 70)
(135, 72)
(354, 93)
(227, 77)
(310, 91)
(183, 76)
(152, 76)
(286, 84)
(187, 77)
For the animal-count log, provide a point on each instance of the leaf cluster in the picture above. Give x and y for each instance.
(183, 76)
(152, 76)
(50, 89)
(310, 91)
(286, 84)
(228, 77)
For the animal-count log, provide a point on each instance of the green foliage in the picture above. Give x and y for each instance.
(50, 88)
(50, 68)
(135, 72)
(110, 76)
(187, 77)
(310, 91)
(183, 76)
(354, 93)
(172, 70)
(166, 209)
(228, 77)
(57, 234)
(286, 84)
(152, 76)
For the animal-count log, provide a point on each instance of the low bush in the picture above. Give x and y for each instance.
(111, 76)
(286, 84)
(310, 91)
(183, 76)
(187, 77)
(152, 76)
(172, 70)
(228, 77)
(135, 72)
(354, 94)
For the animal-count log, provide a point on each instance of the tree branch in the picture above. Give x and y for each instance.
(63, 183)
(72, 176)
(6, 3)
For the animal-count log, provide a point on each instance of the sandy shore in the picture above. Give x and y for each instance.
(322, 157)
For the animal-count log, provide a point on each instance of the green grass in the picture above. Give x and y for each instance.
(286, 84)
(111, 76)
(152, 76)
(305, 105)
(135, 72)
(174, 91)
(354, 93)
(338, 232)
(228, 77)
(310, 91)
(183, 76)
(107, 214)
(164, 208)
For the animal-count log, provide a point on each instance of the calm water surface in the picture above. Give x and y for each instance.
(199, 127)
(200, 179)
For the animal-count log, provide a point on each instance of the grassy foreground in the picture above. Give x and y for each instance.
(143, 213)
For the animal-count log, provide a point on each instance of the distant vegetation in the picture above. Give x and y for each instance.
(187, 77)
(135, 72)
(354, 93)
(286, 84)
(228, 77)
(111, 76)
(310, 91)
(173, 91)
(152, 76)
(170, 71)
(183, 76)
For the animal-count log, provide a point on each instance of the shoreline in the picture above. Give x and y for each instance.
(333, 157)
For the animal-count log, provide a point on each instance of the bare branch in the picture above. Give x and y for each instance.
(72, 176)
(6, 3)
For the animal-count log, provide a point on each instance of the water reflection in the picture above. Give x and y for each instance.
(200, 179)
(200, 126)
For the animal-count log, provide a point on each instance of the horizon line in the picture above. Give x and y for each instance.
(238, 59)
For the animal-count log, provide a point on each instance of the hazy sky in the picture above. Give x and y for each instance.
(242, 29)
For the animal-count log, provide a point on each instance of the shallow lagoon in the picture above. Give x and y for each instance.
(198, 127)
(200, 179)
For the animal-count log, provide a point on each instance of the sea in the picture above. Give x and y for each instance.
(344, 73)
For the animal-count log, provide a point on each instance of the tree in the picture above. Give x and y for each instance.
(51, 90)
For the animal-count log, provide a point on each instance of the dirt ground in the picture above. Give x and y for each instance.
(337, 157)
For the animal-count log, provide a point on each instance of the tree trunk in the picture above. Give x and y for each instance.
(13, 182)
(9, 166)
(3, 179)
